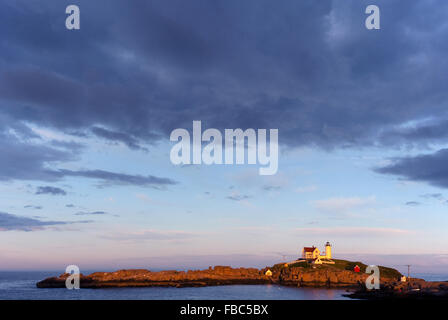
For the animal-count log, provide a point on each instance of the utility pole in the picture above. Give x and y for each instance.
(409, 271)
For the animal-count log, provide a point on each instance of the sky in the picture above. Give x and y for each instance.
(86, 117)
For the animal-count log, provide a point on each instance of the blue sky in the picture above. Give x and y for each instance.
(86, 115)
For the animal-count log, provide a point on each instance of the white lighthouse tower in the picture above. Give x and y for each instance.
(328, 251)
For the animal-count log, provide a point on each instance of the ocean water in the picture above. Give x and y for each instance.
(22, 285)
(430, 276)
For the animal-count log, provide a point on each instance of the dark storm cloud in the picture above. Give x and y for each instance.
(271, 188)
(33, 207)
(93, 213)
(71, 146)
(12, 222)
(128, 140)
(429, 168)
(238, 197)
(437, 196)
(423, 134)
(22, 160)
(113, 178)
(25, 160)
(50, 190)
(309, 68)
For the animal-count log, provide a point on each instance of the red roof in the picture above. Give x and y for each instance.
(309, 249)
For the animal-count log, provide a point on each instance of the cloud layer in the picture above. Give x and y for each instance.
(310, 69)
(355, 231)
(10, 222)
(343, 204)
(50, 190)
(429, 168)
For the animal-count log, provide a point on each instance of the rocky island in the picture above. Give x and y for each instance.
(303, 274)
(341, 274)
(312, 269)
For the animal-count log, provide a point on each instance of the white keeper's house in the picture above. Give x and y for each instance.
(314, 256)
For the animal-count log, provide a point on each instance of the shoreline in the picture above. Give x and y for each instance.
(290, 276)
(337, 276)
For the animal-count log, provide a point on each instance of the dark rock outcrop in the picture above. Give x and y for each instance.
(417, 289)
(320, 277)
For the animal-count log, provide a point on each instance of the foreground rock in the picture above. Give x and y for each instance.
(418, 289)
